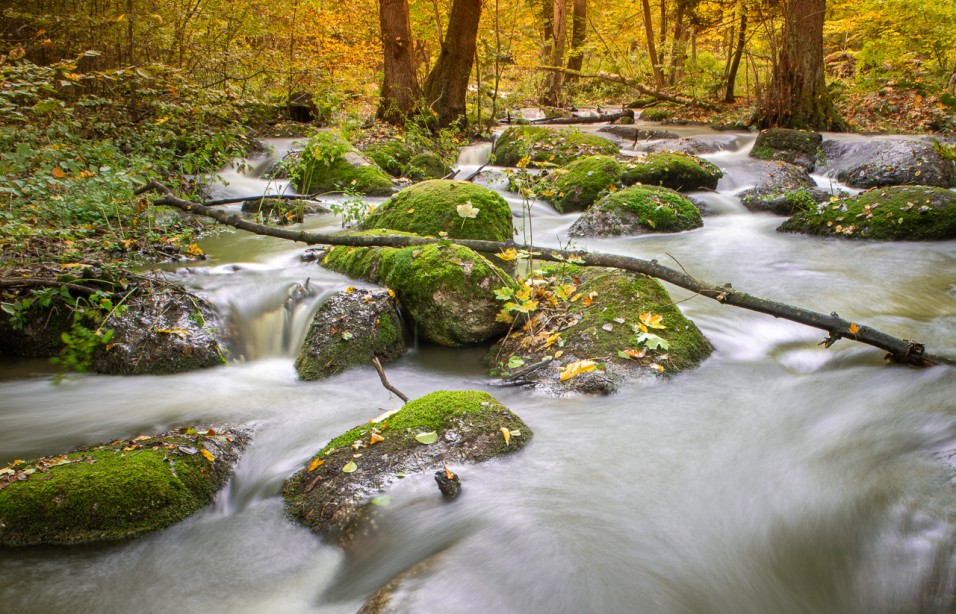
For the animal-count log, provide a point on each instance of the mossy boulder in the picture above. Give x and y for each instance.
(674, 170)
(335, 498)
(577, 185)
(634, 133)
(448, 290)
(602, 326)
(391, 156)
(164, 329)
(548, 146)
(873, 163)
(442, 205)
(638, 210)
(895, 213)
(782, 201)
(350, 329)
(798, 147)
(426, 165)
(115, 491)
(329, 163)
(656, 114)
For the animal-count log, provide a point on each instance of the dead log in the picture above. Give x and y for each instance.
(614, 78)
(586, 119)
(898, 350)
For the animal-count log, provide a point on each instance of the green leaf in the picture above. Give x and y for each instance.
(652, 341)
(514, 362)
(349, 467)
(427, 438)
(383, 500)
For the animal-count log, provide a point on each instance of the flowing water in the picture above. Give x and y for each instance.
(778, 477)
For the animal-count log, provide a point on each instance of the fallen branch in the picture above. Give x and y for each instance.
(389, 387)
(242, 199)
(900, 350)
(613, 78)
(586, 119)
(32, 282)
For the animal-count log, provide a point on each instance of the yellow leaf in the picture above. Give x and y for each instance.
(448, 472)
(161, 121)
(142, 438)
(589, 299)
(559, 354)
(194, 251)
(523, 162)
(506, 433)
(508, 255)
(656, 367)
(181, 333)
(411, 210)
(375, 438)
(391, 292)
(207, 455)
(651, 320)
(854, 329)
(316, 463)
(577, 368)
(349, 290)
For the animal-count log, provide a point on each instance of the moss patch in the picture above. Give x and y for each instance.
(675, 170)
(898, 213)
(794, 146)
(330, 164)
(115, 491)
(467, 425)
(391, 156)
(547, 146)
(577, 185)
(431, 207)
(426, 165)
(656, 114)
(638, 210)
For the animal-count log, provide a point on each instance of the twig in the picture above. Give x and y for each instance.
(389, 387)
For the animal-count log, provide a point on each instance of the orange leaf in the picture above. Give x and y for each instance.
(375, 438)
(854, 329)
(315, 464)
(652, 320)
(58, 173)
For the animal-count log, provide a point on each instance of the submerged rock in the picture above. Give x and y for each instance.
(875, 163)
(329, 163)
(638, 210)
(339, 488)
(577, 185)
(350, 329)
(117, 490)
(556, 146)
(461, 209)
(593, 339)
(448, 290)
(677, 171)
(798, 147)
(895, 213)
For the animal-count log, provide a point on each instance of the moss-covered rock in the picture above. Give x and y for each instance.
(350, 329)
(448, 290)
(656, 114)
(426, 165)
(782, 201)
(872, 163)
(335, 497)
(602, 325)
(694, 145)
(281, 211)
(634, 133)
(391, 156)
(442, 205)
(895, 213)
(638, 210)
(115, 491)
(548, 146)
(677, 171)
(798, 147)
(577, 185)
(330, 164)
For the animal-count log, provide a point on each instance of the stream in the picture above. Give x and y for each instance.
(778, 477)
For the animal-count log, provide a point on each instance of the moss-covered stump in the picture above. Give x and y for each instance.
(350, 329)
(336, 490)
(330, 164)
(575, 186)
(546, 146)
(463, 210)
(677, 171)
(115, 491)
(281, 211)
(871, 164)
(163, 330)
(448, 290)
(426, 165)
(896, 213)
(798, 147)
(391, 156)
(638, 210)
(612, 326)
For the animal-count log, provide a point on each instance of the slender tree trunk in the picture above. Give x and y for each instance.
(651, 48)
(555, 80)
(738, 53)
(400, 94)
(447, 82)
(677, 42)
(797, 96)
(578, 34)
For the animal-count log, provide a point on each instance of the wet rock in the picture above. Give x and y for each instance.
(443, 205)
(780, 175)
(656, 114)
(677, 171)
(282, 211)
(605, 330)
(798, 147)
(633, 133)
(895, 213)
(553, 146)
(330, 164)
(694, 145)
(875, 163)
(577, 185)
(447, 290)
(449, 484)
(426, 165)
(782, 201)
(117, 490)
(638, 210)
(337, 496)
(164, 329)
(350, 329)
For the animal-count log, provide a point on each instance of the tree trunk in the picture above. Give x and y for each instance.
(552, 95)
(651, 48)
(677, 42)
(797, 96)
(400, 94)
(447, 82)
(578, 34)
(738, 53)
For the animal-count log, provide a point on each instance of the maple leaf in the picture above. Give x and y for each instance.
(467, 210)
(577, 368)
(651, 320)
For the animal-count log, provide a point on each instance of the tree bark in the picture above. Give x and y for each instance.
(400, 94)
(612, 78)
(553, 84)
(579, 23)
(677, 43)
(797, 96)
(447, 82)
(651, 48)
(738, 53)
(900, 350)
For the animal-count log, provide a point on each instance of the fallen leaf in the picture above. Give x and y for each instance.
(508, 255)
(514, 362)
(349, 467)
(854, 329)
(375, 438)
(448, 472)
(427, 438)
(315, 464)
(142, 438)
(382, 500)
(467, 210)
(195, 251)
(58, 173)
(631, 354)
(180, 332)
(651, 320)
(506, 433)
(207, 455)
(577, 368)
(349, 290)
